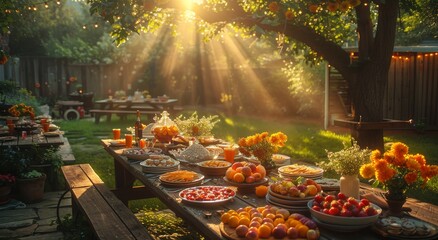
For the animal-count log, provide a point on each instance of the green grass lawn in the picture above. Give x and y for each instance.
(307, 141)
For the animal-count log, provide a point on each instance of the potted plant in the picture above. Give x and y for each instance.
(396, 171)
(347, 163)
(262, 146)
(6, 182)
(29, 182)
(30, 186)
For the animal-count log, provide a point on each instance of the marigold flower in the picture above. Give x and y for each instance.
(389, 157)
(313, 8)
(273, 7)
(385, 174)
(399, 149)
(242, 142)
(410, 178)
(380, 165)
(332, 6)
(344, 6)
(375, 155)
(367, 170)
(412, 163)
(289, 15)
(420, 159)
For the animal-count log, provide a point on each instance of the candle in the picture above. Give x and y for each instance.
(116, 133)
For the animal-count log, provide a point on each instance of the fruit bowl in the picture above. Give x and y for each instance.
(214, 167)
(340, 220)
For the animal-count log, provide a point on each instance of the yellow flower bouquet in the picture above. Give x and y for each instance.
(397, 170)
(21, 110)
(262, 146)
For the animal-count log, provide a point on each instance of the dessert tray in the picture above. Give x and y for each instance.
(207, 194)
(159, 165)
(181, 178)
(405, 228)
(300, 170)
(328, 184)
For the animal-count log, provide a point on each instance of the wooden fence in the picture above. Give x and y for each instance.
(412, 91)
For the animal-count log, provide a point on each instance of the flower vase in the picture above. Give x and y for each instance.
(267, 163)
(395, 205)
(349, 185)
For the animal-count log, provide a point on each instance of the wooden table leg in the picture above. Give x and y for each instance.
(124, 180)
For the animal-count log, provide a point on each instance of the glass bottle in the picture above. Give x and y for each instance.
(138, 128)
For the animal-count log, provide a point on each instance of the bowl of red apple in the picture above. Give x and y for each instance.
(343, 210)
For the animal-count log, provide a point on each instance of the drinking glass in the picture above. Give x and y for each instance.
(229, 154)
(128, 140)
(116, 133)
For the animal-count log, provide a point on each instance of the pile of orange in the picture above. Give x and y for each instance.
(165, 133)
(244, 172)
(269, 221)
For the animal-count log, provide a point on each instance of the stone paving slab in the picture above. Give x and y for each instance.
(17, 215)
(47, 236)
(17, 224)
(20, 232)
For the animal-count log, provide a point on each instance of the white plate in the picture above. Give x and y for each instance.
(204, 190)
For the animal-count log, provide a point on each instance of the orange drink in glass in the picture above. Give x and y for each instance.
(43, 120)
(229, 154)
(46, 126)
(142, 143)
(116, 133)
(128, 140)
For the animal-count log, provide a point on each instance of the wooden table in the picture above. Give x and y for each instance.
(32, 140)
(127, 172)
(144, 104)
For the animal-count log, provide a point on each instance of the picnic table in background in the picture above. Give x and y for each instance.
(149, 107)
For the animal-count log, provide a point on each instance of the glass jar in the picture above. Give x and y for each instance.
(164, 130)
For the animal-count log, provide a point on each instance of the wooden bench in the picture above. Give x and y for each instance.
(122, 113)
(108, 216)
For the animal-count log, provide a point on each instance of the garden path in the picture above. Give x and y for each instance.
(35, 221)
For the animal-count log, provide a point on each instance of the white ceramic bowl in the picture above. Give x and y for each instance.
(349, 221)
(280, 158)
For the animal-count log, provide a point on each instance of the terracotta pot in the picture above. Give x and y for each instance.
(4, 194)
(31, 190)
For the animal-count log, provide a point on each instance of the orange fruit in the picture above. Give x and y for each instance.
(312, 190)
(244, 214)
(238, 177)
(244, 221)
(230, 173)
(292, 222)
(260, 169)
(261, 191)
(225, 217)
(233, 221)
(264, 231)
(271, 216)
(302, 230)
(278, 220)
(246, 171)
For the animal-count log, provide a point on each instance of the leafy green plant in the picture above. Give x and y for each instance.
(31, 174)
(194, 126)
(165, 225)
(346, 161)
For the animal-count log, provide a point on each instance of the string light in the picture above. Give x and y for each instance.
(46, 5)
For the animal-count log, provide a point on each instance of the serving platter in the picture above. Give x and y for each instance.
(207, 194)
(53, 134)
(421, 229)
(340, 228)
(301, 170)
(291, 208)
(148, 168)
(289, 200)
(178, 179)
